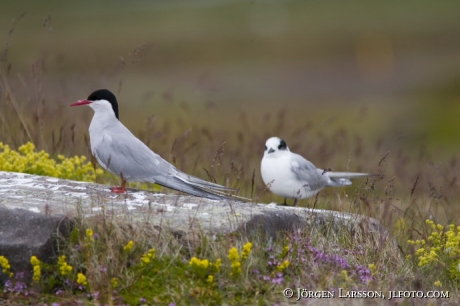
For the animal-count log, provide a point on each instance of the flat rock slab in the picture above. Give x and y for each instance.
(58, 197)
(36, 210)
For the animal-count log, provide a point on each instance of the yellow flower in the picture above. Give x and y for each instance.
(285, 251)
(283, 265)
(129, 246)
(64, 267)
(234, 257)
(34, 260)
(233, 254)
(37, 274)
(27, 160)
(90, 235)
(114, 282)
(344, 275)
(81, 279)
(210, 279)
(4, 264)
(236, 268)
(437, 284)
(149, 256)
(246, 250)
(196, 262)
(373, 268)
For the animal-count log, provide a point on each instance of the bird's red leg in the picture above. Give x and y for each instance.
(121, 189)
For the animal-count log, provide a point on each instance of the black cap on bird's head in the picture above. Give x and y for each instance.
(274, 144)
(100, 95)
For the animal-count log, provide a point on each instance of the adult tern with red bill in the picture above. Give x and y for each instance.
(120, 152)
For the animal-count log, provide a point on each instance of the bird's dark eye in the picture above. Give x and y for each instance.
(265, 148)
(282, 145)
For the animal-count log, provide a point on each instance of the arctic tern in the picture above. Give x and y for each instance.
(289, 175)
(120, 152)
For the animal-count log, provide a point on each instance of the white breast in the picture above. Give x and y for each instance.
(277, 175)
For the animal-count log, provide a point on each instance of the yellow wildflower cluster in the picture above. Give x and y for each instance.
(129, 246)
(285, 251)
(247, 248)
(441, 246)
(210, 279)
(199, 263)
(114, 282)
(36, 264)
(148, 257)
(27, 160)
(344, 275)
(64, 267)
(81, 279)
(201, 266)
(283, 266)
(234, 257)
(372, 268)
(5, 265)
(90, 235)
(205, 263)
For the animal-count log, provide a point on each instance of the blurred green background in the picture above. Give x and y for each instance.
(380, 69)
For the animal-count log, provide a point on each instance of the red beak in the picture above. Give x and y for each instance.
(81, 102)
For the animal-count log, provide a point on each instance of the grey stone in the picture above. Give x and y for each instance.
(24, 233)
(43, 202)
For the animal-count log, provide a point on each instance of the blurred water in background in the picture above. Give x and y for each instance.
(387, 68)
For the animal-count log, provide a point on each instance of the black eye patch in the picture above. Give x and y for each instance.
(282, 145)
(265, 148)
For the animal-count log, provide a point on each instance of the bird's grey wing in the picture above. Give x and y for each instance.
(125, 155)
(175, 183)
(193, 180)
(120, 152)
(307, 172)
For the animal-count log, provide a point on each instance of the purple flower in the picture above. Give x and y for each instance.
(95, 236)
(172, 304)
(55, 304)
(19, 275)
(142, 300)
(342, 262)
(278, 280)
(20, 287)
(364, 273)
(8, 285)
